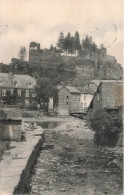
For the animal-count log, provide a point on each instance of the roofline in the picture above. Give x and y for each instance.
(62, 87)
(69, 90)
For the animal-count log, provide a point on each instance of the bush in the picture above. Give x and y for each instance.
(107, 127)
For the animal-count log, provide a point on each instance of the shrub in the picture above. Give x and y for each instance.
(107, 127)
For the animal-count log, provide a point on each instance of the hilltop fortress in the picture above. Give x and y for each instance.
(88, 64)
(98, 56)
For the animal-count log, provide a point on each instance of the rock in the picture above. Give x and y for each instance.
(62, 190)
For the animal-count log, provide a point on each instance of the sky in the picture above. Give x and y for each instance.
(23, 21)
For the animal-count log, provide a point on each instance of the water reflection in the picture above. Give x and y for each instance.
(49, 125)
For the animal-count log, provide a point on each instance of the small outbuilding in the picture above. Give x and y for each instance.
(10, 124)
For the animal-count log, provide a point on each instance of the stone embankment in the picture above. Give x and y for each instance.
(18, 160)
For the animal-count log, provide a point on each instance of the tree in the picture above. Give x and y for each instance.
(86, 43)
(14, 96)
(8, 97)
(77, 41)
(51, 48)
(22, 53)
(68, 42)
(107, 127)
(60, 43)
(45, 90)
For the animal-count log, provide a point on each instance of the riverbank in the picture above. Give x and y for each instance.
(15, 159)
(70, 163)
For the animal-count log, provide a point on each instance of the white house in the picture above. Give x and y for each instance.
(86, 97)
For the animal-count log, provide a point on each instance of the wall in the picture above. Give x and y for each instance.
(10, 130)
(112, 95)
(97, 100)
(20, 99)
(35, 56)
(63, 101)
(74, 103)
(86, 100)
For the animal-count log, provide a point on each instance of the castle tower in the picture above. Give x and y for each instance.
(35, 53)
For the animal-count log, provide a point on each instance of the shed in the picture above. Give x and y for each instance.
(10, 124)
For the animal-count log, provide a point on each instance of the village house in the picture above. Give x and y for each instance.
(73, 99)
(17, 90)
(109, 95)
(86, 97)
(68, 100)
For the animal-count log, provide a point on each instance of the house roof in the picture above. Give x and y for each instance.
(84, 90)
(22, 81)
(70, 88)
(111, 81)
(12, 114)
(97, 82)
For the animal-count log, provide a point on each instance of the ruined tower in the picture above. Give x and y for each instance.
(35, 53)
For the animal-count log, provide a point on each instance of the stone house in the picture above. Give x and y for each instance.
(109, 95)
(17, 90)
(10, 124)
(73, 99)
(68, 100)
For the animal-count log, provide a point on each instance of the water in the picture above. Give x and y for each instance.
(72, 166)
(49, 125)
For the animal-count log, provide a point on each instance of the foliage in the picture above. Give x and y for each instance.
(107, 126)
(45, 89)
(22, 53)
(88, 44)
(77, 41)
(8, 97)
(60, 43)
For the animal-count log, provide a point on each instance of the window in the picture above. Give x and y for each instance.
(85, 104)
(1, 83)
(27, 102)
(4, 92)
(33, 94)
(67, 96)
(27, 93)
(19, 92)
(84, 97)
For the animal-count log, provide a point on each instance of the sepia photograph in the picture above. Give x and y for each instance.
(61, 97)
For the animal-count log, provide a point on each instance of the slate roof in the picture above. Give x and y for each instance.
(84, 90)
(97, 82)
(22, 81)
(70, 88)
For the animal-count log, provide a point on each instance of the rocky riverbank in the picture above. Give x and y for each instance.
(70, 164)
